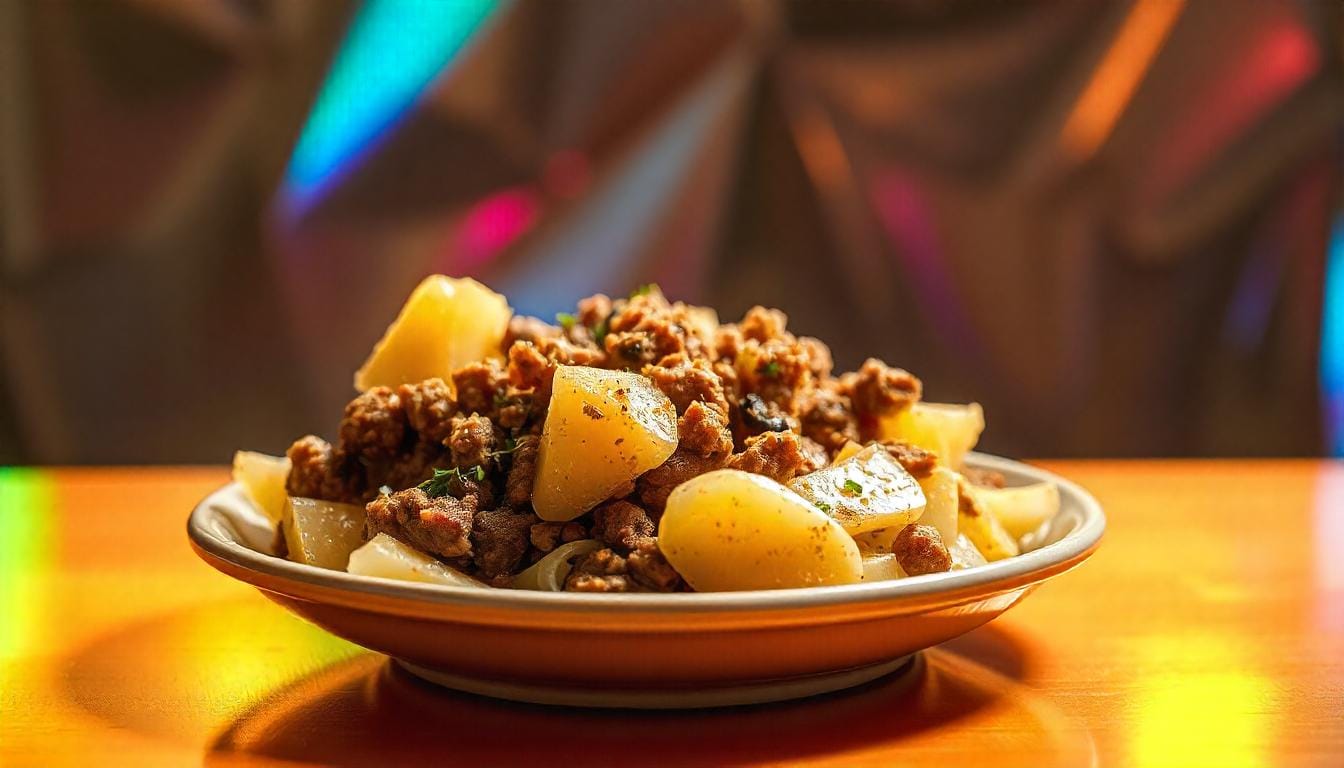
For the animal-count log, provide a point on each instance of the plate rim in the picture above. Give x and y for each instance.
(915, 593)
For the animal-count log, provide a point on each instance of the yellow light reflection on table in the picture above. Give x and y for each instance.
(26, 535)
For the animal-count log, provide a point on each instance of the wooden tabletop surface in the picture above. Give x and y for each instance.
(1208, 630)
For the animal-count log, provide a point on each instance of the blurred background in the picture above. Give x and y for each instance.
(1115, 224)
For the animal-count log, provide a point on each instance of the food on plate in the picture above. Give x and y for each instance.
(636, 444)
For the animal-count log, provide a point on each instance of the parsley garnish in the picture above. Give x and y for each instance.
(823, 506)
(852, 488)
(770, 370)
(644, 290)
(566, 320)
(602, 329)
(442, 481)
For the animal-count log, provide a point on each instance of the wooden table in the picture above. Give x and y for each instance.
(1208, 630)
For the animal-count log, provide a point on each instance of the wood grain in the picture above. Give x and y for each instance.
(1208, 630)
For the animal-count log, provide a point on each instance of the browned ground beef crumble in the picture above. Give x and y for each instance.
(750, 396)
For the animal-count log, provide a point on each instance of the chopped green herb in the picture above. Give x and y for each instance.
(566, 320)
(644, 290)
(770, 370)
(823, 506)
(441, 484)
(480, 473)
(852, 488)
(601, 331)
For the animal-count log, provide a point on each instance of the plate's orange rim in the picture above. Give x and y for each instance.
(504, 606)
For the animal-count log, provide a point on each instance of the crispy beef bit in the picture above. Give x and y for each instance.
(315, 473)
(687, 381)
(780, 372)
(515, 411)
(646, 328)
(499, 539)
(479, 386)
(729, 380)
(917, 461)
(777, 455)
(594, 310)
(473, 441)
(817, 457)
(762, 324)
(529, 329)
(919, 549)
(529, 368)
(621, 524)
(547, 536)
(440, 526)
(518, 485)
(704, 431)
(877, 390)
(827, 418)
(986, 478)
(656, 485)
(729, 342)
(566, 352)
(429, 407)
(374, 426)
(649, 569)
(818, 356)
(600, 571)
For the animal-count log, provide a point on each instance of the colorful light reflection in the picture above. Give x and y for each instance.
(26, 512)
(1332, 342)
(393, 50)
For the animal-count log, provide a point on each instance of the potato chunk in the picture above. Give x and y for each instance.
(866, 492)
(730, 530)
(950, 431)
(940, 490)
(387, 558)
(322, 533)
(882, 568)
(263, 479)
(603, 429)
(1020, 510)
(983, 528)
(964, 554)
(445, 324)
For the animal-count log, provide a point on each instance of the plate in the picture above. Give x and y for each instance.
(651, 650)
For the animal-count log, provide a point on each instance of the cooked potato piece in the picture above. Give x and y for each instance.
(731, 530)
(322, 533)
(982, 528)
(387, 558)
(940, 491)
(950, 431)
(263, 479)
(882, 568)
(1020, 510)
(445, 324)
(866, 492)
(603, 429)
(964, 554)
(846, 451)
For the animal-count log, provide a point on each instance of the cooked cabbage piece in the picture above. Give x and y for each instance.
(866, 492)
(603, 429)
(882, 568)
(263, 479)
(322, 533)
(387, 558)
(445, 324)
(1020, 510)
(964, 554)
(950, 431)
(549, 573)
(940, 493)
(730, 530)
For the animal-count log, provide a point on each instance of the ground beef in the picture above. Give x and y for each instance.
(986, 478)
(649, 569)
(528, 367)
(780, 371)
(917, 461)
(777, 455)
(407, 469)
(499, 539)
(594, 311)
(479, 386)
(919, 549)
(826, 416)
(656, 485)
(600, 571)
(817, 456)
(645, 329)
(314, 472)
(440, 526)
(818, 356)
(877, 391)
(473, 441)
(762, 324)
(547, 536)
(374, 426)
(621, 524)
(755, 415)
(529, 329)
(686, 381)
(429, 408)
(522, 472)
(704, 431)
